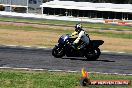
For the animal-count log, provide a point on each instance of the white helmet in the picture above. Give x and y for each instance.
(78, 27)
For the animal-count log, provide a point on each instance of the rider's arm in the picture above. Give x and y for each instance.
(79, 37)
(82, 33)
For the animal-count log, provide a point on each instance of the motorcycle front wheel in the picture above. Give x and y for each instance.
(93, 55)
(58, 52)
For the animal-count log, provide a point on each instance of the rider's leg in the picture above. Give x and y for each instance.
(82, 46)
(86, 41)
(75, 43)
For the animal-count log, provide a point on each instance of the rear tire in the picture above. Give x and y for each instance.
(58, 52)
(92, 55)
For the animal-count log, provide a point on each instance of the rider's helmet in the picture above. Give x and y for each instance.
(78, 27)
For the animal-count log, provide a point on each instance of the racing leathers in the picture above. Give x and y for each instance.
(81, 36)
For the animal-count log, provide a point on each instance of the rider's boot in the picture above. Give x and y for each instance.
(74, 46)
(82, 46)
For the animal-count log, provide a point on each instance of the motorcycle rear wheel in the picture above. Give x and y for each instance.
(58, 52)
(93, 55)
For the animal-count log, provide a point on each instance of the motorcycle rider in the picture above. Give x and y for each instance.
(81, 36)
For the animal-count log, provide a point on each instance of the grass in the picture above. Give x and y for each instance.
(46, 29)
(44, 79)
(68, 23)
(34, 35)
(114, 35)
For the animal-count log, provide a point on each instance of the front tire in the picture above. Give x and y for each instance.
(58, 52)
(93, 55)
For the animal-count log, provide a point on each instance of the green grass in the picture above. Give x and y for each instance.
(44, 79)
(38, 21)
(114, 35)
(86, 24)
(61, 31)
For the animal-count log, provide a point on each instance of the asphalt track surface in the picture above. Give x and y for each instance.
(42, 59)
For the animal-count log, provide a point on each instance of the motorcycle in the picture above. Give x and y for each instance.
(91, 51)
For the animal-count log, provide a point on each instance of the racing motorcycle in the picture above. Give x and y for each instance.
(64, 48)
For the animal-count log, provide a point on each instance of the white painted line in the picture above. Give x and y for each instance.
(72, 71)
(5, 67)
(110, 73)
(39, 69)
(55, 70)
(21, 68)
(14, 46)
(121, 52)
(107, 51)
(30, 69)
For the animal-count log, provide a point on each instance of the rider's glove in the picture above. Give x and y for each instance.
(74, 33)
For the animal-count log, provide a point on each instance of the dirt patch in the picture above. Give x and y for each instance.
(115, 44)
(27, 38)
(49, 39)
